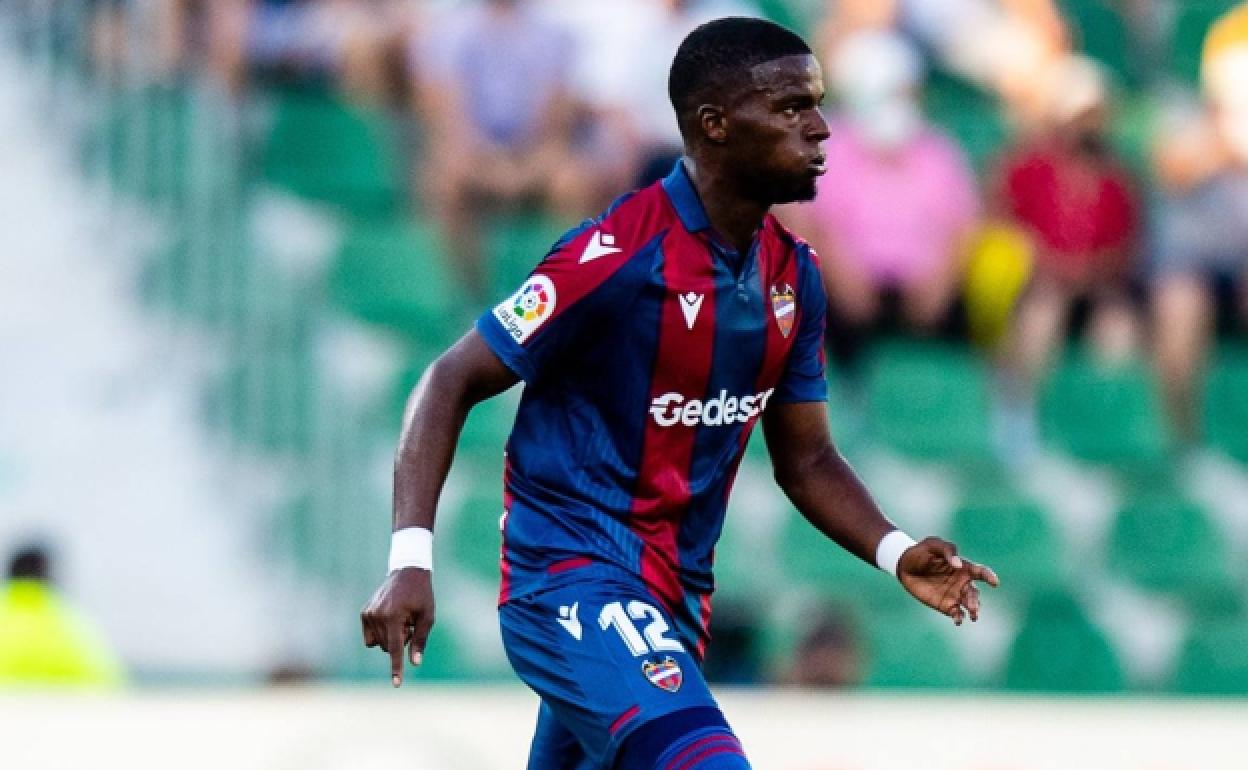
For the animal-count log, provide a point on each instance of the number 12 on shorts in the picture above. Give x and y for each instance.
(639, 643)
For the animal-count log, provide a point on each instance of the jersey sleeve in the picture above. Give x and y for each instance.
(546, 318)
(803, 378)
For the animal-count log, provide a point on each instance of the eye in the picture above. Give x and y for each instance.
(790, 111)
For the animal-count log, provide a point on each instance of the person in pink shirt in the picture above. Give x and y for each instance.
(896, 206)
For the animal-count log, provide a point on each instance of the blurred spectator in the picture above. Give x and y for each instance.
(896, 205)
(999, 44)
(495, 93)
(1201, 244)
(163, 27)
(829, 654)
(44, 641)
(624, 49)
(1067, 189)
(350, 44)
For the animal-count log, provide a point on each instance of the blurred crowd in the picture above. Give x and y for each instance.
(560, 105)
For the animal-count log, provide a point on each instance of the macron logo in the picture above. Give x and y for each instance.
(567, 618)
(600, 245)
(690, 304)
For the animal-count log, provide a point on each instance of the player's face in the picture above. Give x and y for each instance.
(775, 129)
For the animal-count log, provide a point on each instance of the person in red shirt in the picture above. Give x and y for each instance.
(1074, 199)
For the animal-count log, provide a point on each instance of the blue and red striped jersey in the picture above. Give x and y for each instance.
(649, 349)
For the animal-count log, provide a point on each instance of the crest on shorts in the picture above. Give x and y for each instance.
(665, 675)
(784, 306)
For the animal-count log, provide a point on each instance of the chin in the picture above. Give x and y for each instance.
(799, 192)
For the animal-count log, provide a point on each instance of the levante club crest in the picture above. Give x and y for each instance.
(665, 675)
(784, 306)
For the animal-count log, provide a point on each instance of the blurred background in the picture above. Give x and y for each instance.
(237, 230)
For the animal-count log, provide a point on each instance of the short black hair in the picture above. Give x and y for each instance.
(30, 562)
(721, 53)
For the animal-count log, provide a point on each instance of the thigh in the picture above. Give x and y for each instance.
(604, 659)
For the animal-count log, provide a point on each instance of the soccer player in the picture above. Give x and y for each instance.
(651, 340)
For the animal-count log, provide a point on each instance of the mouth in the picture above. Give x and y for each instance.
(818, 166)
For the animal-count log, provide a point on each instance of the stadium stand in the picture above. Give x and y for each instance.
(1104, 415)
(1212, 661)
(1226, 402)
(1058, 649)
(930, 401)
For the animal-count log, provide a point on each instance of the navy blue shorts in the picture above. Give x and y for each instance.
(602, 653)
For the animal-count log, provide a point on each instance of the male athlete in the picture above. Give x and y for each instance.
(651, 340)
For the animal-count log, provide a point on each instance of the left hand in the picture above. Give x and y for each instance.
(934, 574)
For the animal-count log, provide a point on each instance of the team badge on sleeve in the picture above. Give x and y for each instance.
(524, 312)
(784, 306)
(665, 675)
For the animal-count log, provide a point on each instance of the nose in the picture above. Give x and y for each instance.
(817, 128)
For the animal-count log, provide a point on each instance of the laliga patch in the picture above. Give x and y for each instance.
(524, 312)
(665, 675)
(784, 307)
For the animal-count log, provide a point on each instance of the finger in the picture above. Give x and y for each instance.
(369, 625)
(394, 646)
(970, 600)
(981, 572)
(420, 636)
(948, 552)
(957, 615)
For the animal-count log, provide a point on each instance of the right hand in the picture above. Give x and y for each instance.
(400, 615)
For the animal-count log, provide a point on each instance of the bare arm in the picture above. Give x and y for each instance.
(827, 492)
(818, 480)
(465, 375)
(401, 612)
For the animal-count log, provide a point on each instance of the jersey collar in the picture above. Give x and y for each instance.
(685, 200)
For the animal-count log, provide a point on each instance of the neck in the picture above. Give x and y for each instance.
(734, 216)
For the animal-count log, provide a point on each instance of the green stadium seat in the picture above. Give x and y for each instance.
(1015, 537)
(970, 116)
(1212, 660)
(905, 648)
(1105, 415)
(516, 244)
(267, 402)
(798, 15)
(1192, 21)
(1226, 402)
(810, 559)
(930, 401)
(1058, 649)
(1102, 33)
(324, 150)
(392, 274)
(472, 534)
(1166, 544)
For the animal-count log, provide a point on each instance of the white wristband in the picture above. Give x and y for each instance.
(892, 546)
(411, 547)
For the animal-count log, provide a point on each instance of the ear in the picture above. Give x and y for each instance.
(713, 123)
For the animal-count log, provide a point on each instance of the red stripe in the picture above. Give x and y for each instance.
(504, 588)
(682, 365)
(622, 719)
(705, 619)
(568, 564)
(718, 739)
(711, 752)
